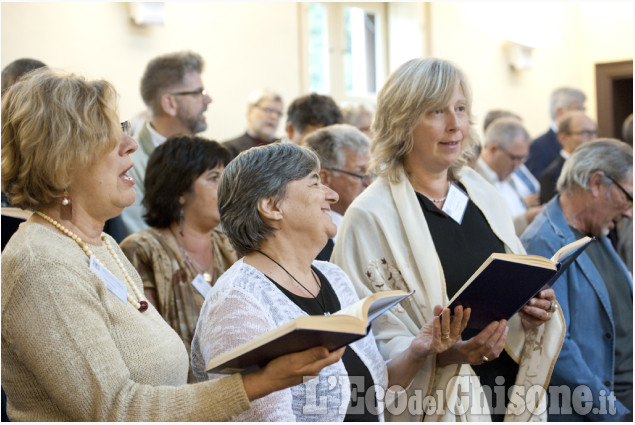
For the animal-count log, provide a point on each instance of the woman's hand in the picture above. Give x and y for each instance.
(438, 335)
(485, 346)
(441, 333)
(539, 309)
(289, 370)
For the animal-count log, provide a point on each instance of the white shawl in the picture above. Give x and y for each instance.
(384, 243)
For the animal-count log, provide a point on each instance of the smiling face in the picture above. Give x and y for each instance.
(438, 136)
(104, 189)
(200, 203)
(305, 210)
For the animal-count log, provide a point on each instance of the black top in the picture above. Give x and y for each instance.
(359, 375)
(462, 248)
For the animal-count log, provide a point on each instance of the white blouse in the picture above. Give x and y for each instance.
(243, 304)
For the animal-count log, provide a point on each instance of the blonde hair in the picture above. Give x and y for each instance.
(417, 86)
(53, 125)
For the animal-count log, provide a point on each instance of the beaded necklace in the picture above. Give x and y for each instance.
(139, 303)
(207, 276)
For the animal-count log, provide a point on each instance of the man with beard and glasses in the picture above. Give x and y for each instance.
(172, 89)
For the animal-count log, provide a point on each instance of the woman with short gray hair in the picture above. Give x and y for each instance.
(275, 211)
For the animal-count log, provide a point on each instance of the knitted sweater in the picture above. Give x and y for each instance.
(73, 351)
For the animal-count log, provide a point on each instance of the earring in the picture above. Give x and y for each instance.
(66, 209)
(181, 218)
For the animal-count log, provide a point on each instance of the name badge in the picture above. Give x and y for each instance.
(112, 283)
(455, 203)
(201, 285)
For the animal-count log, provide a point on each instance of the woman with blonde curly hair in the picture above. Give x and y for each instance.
(80, 342)
(427, 224)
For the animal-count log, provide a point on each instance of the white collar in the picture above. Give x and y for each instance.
(157, 138)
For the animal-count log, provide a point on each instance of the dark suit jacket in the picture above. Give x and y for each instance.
(542, 152)
(549, 178)
(242, 143)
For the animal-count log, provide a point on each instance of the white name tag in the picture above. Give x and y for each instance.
(455, 203)
(112, 283)
(201, 285)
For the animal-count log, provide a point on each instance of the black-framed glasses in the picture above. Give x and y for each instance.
(365, 178)
(269, 111)
(199, 92)
(515, 158)
(629, 197)
(126, 127)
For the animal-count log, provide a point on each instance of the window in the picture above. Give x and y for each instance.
(346, 43)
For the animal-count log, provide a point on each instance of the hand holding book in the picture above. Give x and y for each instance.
(538, 310)
(440, 334)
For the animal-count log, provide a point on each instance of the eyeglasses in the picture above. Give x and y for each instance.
(126, 127)
(514, 158)
(365, 178)
(270, 111)
(585, 133)
(199, 92)
(629, 197)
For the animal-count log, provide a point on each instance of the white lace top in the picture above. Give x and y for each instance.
(243, 304)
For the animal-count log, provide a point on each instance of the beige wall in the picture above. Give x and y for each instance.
(472, 36)
(250, 45)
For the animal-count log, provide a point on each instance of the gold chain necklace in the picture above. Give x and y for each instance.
(139, 303)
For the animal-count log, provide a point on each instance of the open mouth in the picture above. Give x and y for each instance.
(126, 178)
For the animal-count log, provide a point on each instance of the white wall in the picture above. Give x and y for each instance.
(472, 35)
(248, 45)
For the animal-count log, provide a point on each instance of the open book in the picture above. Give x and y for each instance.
(506, 282)
(334, 331)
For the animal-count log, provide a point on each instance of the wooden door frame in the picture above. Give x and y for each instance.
(605, 74)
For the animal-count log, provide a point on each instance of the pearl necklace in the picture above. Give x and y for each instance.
(438, 200)
(139, 303)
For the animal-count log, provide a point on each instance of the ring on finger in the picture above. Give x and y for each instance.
(553, 307)
(445, 336)
(484, 359)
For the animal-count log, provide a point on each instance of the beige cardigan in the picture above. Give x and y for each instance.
(73, 351)
(384, 243)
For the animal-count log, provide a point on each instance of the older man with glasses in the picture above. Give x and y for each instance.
(593, 377)
(504, 150)
(264, 110)
(172, 89)
(574, 129)
(344, 156)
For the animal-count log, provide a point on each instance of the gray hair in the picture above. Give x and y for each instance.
(259, 95)
(496, 114)
(353, 114)
(612, 156)
(417, 86)
(503, 132)
(563, 98)
(163, 73)
(330, 143)
(255, 174)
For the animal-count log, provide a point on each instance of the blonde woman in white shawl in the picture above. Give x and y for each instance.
(427, 223)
